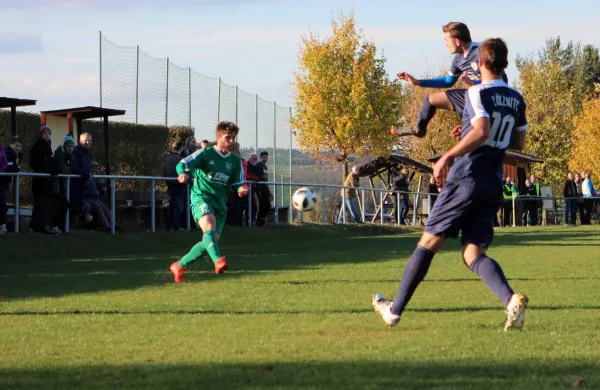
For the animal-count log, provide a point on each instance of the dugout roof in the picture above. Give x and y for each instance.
(13, 103)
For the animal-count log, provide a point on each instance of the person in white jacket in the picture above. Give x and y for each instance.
(588, 192)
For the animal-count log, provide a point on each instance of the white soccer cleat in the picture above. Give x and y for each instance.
(515, 312)
(382, 306)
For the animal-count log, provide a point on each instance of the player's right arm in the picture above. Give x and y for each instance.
(191, 163)
(446, 81)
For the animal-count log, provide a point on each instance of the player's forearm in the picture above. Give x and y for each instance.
(180, 168)
(438, 82)
(470, 142)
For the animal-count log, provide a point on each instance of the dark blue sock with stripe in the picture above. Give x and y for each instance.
(493, 277)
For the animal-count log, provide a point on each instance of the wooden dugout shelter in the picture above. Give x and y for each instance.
(384, 168)
(61, 123)
(13, 103)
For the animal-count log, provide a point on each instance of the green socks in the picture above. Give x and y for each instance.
(194, 254)
(208, 244)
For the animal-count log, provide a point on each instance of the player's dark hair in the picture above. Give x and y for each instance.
(264, 153)
(458, 30)
(227, 127)
(16, 139)
(494, 55)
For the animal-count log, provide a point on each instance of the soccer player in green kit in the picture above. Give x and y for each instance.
(214, 171)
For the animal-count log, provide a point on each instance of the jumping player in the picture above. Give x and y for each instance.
(494, 119)
(464, 66)
(214, 170)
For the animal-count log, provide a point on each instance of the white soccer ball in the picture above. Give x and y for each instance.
(304, 199)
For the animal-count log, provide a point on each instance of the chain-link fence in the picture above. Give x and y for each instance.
(156, 91)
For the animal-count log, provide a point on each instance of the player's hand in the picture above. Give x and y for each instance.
(408, 78)
(455, 132)
(443, 162)
(466, 79)
(243, 190)
(183, 178)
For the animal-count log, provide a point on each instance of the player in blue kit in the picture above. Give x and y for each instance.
(493, 120)
(464, 66)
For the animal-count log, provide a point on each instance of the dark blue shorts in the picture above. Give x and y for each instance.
(457, 98)
(466, 207)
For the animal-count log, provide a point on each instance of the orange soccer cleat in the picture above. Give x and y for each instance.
(221, 266)
(177, 272)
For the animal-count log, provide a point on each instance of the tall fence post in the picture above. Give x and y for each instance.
(67, 215)
(236, 105)
(276, 205)
(219, 102)
(275, 145)
(153, 204)
(137, 84)
(256, 114)
(100, 68)
(112, 205)
(323, 205)
(17, 204)
(190, 94)
(167, 97)
(381, 205)
(291, 146)
(250, 202)
(398, 208)
(362, 202)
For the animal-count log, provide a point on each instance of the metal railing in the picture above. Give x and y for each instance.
(378, 205)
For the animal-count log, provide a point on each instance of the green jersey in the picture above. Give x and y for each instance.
(215, 174)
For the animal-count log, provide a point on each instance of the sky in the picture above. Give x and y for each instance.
(49, 49)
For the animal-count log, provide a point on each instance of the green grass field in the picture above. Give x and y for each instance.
(92, 311)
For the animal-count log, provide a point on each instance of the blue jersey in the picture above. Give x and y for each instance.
(466, 62)
(505, 108)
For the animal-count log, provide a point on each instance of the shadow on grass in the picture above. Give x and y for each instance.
(470, 309)
(83, 262)
(384, 374)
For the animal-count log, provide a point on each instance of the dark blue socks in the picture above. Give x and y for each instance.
(425, 115)
(414, 273)
(493, 277)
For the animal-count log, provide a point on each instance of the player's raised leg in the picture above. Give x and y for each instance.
(430, 104)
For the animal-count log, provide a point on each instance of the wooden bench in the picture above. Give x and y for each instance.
(138, 204)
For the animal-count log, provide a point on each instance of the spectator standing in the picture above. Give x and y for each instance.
(62, 162)
(509, 192)
(588, 193)
(535, 205)
(189, 147)
(433, 190)
(252, 174)
(13, 159)
(400, 182)
(570, 195)
(40, 162)
(579, 184)
(203, 144)
(264, 193)
(175, 189)
(351, 195)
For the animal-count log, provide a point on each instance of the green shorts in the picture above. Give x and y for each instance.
(200, 208)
